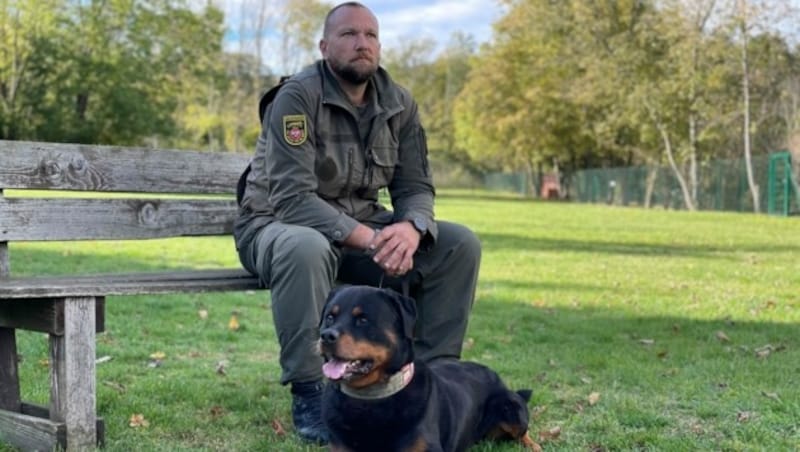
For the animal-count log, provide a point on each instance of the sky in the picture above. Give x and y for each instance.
(400, 20)
(437, 19)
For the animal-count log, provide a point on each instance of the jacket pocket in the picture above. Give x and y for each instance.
(383, 160)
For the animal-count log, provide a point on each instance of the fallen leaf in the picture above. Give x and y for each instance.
(221, 367)
(538, 411)
(278, 428)
(771, 395)
(217, 412)
(469, 343)
(203, 314)
(593, 398)
(586, 380)
(103, 359)
(233, 323)
(764, 351)
(115, 386)
(138, 420)
(550, 435)
(743, 416)
(722, 337)
(662, 354)
(44, 362)
(156, 359)
(647, 341)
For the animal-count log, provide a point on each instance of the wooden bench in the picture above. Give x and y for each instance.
(70, 309)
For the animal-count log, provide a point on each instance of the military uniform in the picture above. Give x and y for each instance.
(319, 165)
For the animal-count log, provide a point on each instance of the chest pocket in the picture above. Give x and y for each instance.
(383, 157)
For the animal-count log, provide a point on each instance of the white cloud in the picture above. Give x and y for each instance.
(400, 20)
(437, 19)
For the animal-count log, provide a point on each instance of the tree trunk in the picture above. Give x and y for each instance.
(650, 186)
(662, 129)
(751, 182)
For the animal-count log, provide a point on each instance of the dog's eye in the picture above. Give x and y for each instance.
(328, 319)
(361, 321)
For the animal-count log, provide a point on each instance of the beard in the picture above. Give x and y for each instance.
(352, 72)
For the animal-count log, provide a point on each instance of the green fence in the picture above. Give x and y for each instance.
(721, 185)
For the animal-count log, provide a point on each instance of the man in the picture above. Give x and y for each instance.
(335, 134)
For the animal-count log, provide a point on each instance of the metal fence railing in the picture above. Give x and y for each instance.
(721, 185)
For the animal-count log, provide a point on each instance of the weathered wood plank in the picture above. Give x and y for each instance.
(128, 284)
(5, 267)
(109, 219)
(43, 315)
(73, 398)
(31, 409)
(9, 376)
(31, 432)
(117, 169)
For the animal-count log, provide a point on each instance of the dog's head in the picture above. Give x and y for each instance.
(366, 334)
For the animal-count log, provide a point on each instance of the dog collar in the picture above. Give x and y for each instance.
(395, 384)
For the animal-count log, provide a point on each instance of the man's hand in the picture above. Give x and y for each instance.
(394, 247)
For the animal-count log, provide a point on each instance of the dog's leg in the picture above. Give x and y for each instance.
(529, 443)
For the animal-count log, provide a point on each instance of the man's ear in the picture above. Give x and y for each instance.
(406, 309)
(323, 47)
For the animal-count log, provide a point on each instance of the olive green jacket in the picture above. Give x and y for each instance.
(312, 168)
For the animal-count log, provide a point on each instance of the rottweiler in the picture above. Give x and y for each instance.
(380, 399)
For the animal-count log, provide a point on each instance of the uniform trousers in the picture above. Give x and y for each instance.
(300, 267)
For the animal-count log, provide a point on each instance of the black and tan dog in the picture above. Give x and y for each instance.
(380, 399)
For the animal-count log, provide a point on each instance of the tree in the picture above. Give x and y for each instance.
(24, 28)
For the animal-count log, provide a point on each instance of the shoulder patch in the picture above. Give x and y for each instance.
(295, 129)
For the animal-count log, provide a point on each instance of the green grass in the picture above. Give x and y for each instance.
(632, 305)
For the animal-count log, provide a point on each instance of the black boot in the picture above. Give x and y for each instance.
(307, 411)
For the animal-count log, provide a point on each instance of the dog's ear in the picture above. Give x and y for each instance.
(407, 311)
(525, 394)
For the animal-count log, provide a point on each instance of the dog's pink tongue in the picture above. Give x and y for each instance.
(334, 369)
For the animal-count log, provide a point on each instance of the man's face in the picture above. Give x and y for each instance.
(351, 46)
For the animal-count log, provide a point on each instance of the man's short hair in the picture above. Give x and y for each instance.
(326, 27)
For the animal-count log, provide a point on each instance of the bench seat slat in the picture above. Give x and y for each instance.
(128, 284)
(109, 219)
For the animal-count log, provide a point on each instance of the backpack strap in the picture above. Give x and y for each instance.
(263, 103)
(269, 96)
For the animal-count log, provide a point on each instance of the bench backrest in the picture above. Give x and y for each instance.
(163, 193)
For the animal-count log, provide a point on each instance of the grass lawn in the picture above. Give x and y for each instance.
(636, 330)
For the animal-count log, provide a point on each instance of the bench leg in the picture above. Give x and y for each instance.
(9, 378)
(73, 399)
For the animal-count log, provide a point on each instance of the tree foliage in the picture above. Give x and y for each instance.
(560, 86)
(578, 84)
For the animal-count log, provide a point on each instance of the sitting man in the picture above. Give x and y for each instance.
(335, 134)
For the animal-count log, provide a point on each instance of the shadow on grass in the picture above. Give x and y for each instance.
(716, 366)
(497, 241)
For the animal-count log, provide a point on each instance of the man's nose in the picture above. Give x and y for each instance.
(362, 41)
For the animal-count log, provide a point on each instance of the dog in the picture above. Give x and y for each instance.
(380, 399)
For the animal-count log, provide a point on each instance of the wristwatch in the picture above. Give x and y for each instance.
(421, 225)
